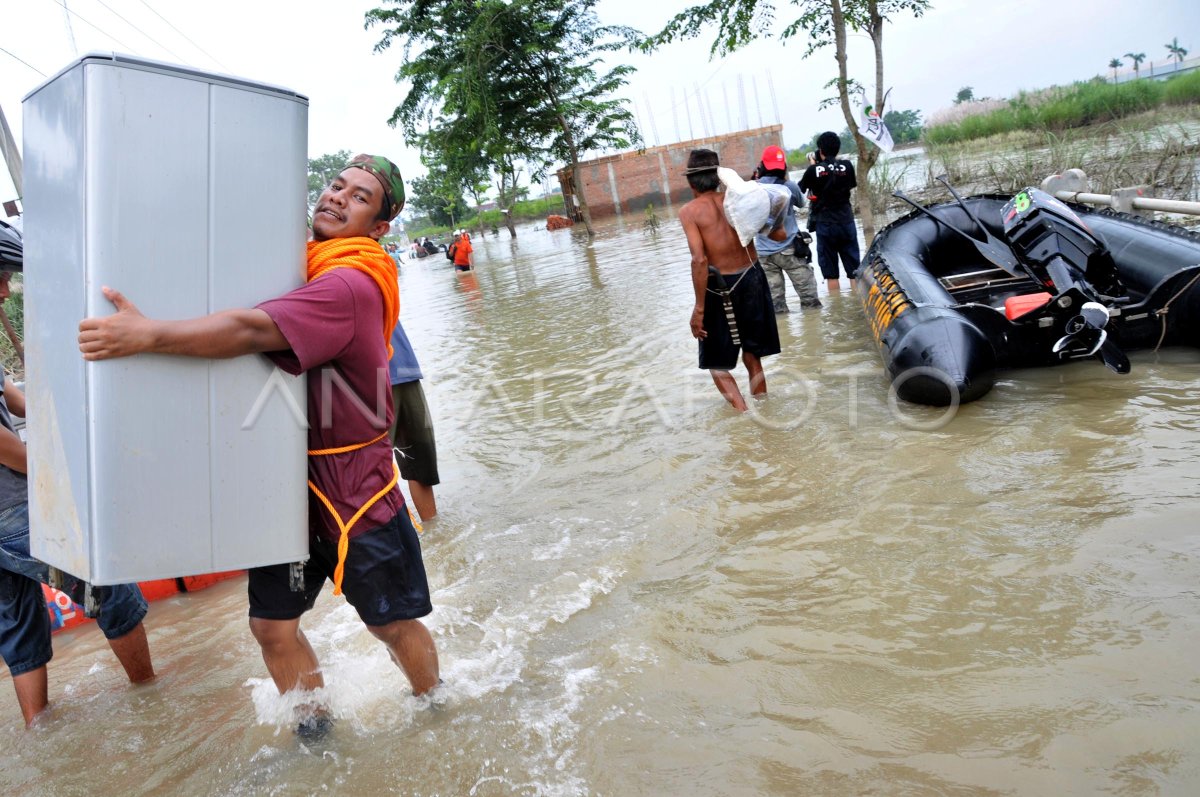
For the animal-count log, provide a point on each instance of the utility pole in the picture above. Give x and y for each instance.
(728, 111)
(11, 153)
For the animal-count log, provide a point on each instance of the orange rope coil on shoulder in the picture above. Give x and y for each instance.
(365, 255)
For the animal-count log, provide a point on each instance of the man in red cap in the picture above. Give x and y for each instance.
(791, 254)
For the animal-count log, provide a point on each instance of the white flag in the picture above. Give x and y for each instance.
(874, 130)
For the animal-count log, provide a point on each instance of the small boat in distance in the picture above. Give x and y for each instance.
(961, 290)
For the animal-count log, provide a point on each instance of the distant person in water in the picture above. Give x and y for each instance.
(463, 260)
(828, 181)
(733, 309)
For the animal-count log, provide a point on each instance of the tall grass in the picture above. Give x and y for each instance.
(15, 309)
(1182, 90)
(1064, 107)
(1157, 149)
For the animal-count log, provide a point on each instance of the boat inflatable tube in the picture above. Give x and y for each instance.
(948, 315)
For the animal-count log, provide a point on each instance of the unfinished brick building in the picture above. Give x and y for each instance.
(629, 181)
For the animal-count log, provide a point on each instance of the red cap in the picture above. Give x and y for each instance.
(773, 158)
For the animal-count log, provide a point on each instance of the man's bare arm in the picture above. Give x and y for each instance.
(699, 271)
(14, 398)
(230, 333)
(12, 451)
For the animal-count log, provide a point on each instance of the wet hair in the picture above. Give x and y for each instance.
(829, 144)
(702, 170)
(763, 171)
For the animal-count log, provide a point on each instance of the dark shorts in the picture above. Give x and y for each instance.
(384, 578)
(837, 241)
(753, 313)
(457, 267)
(24, 619)
(412, 434)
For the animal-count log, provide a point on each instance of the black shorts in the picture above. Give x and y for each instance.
(384, 578)
(412, 434)
(753, 312)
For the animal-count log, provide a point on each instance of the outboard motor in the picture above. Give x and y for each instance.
(1050, 239)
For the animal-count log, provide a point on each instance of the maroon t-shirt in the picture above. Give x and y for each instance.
(333, 326)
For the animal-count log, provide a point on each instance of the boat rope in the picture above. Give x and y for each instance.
(344, 527)
(1166, 308)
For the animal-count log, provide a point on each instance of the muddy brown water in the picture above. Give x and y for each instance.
(639, 592)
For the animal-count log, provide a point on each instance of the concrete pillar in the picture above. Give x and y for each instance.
(612, 184)
(666, 182)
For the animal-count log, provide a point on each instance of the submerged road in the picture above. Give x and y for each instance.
(638, 592)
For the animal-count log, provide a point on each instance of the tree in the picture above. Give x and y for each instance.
(740, 22)
(528, 77)
(1137, 59)
(438, 198)
(1114, 65)
(321, 172)
(905, 126)
(1177, 52)
(453, 151)
(965, 94)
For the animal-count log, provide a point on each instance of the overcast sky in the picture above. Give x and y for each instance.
(321, 50)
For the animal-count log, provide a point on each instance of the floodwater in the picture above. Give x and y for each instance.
(639, 592)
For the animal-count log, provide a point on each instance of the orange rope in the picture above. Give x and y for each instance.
(344, 528)
(324, 452)
(365, 255)
(344, 538)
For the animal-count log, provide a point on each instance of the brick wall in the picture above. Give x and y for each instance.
(628, 182)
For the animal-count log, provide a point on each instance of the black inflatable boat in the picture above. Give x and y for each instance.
(958, 291)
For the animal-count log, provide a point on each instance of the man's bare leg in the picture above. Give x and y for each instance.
(853, 285)
(413, 650)
(133, 651)
(834, 286)
(423, 500)
(729, 389)
(32, 693)
(758, 380)
(288, 656)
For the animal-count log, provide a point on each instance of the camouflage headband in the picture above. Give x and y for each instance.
(388, 175)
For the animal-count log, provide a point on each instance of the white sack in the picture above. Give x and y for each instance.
(752, 207)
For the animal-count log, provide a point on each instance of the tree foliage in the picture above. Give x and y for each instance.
(507, 82)
(1175, 51)
(825, 22)
(321, 172)
(965, 94)
(905, 126)
(1137, 59)
(438, 198)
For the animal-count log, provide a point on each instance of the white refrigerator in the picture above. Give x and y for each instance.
(184, 190)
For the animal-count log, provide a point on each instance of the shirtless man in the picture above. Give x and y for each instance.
(729, 284)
